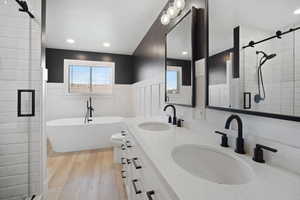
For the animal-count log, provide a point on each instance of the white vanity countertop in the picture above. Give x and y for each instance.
(269, 183)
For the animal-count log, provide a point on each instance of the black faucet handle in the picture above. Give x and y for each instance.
(266, 148)
(174, 120)
(179, 122)
(224, 139)
(170, 119)
(259, 154)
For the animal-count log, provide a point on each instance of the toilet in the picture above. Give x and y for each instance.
(117, 140)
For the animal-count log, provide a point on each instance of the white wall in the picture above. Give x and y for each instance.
(20, 146)
(280, 134)
(61, 105)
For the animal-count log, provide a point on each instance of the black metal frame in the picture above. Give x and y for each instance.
(261, 114)
(20, 103)
(192, 11)
(277, 35)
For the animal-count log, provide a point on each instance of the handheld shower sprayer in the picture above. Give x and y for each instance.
(260, 81)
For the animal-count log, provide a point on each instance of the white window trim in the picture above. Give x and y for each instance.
(179, 78)
(68, 62)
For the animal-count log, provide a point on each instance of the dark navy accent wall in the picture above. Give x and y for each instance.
(55, 64)
(149, 57)
(186, 69)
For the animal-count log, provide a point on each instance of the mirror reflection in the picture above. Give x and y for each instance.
(267, 77)
(179, 63)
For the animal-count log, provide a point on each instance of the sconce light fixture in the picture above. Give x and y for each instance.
(172, 12)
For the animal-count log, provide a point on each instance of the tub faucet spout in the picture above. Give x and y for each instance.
(89, 112)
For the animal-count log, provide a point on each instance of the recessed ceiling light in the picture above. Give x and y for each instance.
(106, 44)
(297, 12)
(5, 1)
(184, 53)
(70, 41)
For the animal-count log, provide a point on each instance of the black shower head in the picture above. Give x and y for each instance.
(268, 57)
(271, 56)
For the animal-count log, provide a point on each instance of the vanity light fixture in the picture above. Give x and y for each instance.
(179, 4)
(165, 18)
(297, 12)
(106, 44)
(172, 12)
(70, 41)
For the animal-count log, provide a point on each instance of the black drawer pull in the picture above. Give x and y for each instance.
(123, 133)
(122, 161)
(135, 164)
(128, 161)
(150, 194)
(135, 188)
(128, 144)
(122, 172)
(123, 147)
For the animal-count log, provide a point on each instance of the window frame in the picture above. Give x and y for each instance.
(87, 63)
(178, 69)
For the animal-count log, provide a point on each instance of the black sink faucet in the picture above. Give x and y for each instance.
(240, 140)
(174, 112)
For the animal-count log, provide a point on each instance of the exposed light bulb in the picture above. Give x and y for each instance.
(297, 12)
(179, 4)
(165, 19)
(173, 11)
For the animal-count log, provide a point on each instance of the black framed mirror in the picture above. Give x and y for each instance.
(252, 64)
(181, 53)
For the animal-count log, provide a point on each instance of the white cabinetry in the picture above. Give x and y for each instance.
(141, 179)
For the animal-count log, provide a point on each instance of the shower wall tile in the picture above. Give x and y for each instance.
(278, 74)
(297, 98)
(20, 51)
(287, 98)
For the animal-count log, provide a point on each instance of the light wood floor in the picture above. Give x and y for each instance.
(86, 175)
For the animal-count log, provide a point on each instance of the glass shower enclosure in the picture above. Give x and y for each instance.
(20, 99)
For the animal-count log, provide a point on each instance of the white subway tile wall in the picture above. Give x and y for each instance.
(20, 147)
(279, 74)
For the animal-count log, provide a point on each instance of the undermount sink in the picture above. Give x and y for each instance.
(154, 126)
(212, 165)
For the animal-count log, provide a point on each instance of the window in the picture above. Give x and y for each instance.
(88, 77)
(173, 79)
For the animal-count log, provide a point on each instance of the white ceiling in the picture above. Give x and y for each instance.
(91, 23)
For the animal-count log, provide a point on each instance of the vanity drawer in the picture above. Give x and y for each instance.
(144, 179)
(144, 171)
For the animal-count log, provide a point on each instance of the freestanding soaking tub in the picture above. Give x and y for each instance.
(72, 134)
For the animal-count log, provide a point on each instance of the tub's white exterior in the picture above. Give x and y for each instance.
(67, 135)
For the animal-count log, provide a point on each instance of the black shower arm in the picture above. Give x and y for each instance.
(24, 8)
(262, 62)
